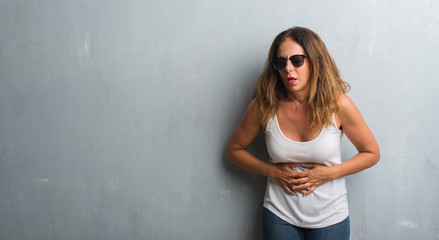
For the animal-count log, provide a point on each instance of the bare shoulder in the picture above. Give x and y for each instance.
(248, 128)
(344, 102)
(346, 105)
(356, 129)
(348, 111)
(254, 104)
(252, 114)
(253, 108)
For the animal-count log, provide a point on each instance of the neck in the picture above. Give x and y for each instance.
(297, 97)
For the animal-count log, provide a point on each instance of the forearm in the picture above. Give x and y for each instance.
(359, 162)
(246, 160)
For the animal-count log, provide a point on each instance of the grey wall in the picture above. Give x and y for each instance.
(114, 115)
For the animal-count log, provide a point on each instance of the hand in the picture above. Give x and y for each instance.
(283, 174)
(307, 181)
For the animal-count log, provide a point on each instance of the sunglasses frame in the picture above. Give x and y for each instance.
(290, 58)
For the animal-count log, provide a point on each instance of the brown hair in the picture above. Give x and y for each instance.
(325, 81)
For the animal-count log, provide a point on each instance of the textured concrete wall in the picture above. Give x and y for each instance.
(114, 115)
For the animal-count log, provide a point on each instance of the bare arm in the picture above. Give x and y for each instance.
(242, 137)
(357, 131)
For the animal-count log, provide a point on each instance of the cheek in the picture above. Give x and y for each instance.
(283, 74)
(305, 74)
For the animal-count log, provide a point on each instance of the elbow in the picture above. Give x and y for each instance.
(232, 153)
(376, 156)
(229, 154)
(371, 157)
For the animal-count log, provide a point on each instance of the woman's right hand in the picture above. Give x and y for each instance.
(283, 173)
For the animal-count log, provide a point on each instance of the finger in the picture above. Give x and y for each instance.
(309, 191)
(308, 165)
(284, 179)
(286, 188)
(289, 190)
(291, 172)
(302, 187)
(295, 174)
(312, 165)
(301, 174)
(290, 175)
(293, 165)
(298, 181)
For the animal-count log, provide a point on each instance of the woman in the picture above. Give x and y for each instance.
(300, 102)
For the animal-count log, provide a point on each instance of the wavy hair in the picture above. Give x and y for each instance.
(325, 81)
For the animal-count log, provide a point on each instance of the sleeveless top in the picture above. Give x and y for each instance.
(327, 205)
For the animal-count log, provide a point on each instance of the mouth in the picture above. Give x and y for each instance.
(291, 80)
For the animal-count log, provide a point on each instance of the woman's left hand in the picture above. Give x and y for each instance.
(307, 181)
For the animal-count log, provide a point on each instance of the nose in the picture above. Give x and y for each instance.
(289, 66)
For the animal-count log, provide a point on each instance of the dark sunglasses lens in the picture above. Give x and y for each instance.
(279, 63)
(297, 61)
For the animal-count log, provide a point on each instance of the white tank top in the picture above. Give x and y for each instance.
(328, 204)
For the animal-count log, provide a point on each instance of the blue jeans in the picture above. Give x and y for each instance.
(274, 228)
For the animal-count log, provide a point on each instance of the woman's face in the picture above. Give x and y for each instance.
(294, 78)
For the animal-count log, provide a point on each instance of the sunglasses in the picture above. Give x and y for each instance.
(281, 62)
